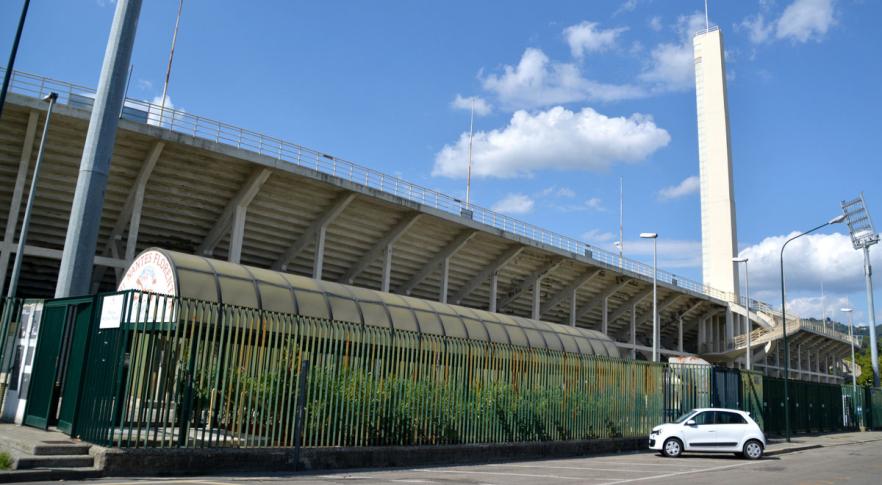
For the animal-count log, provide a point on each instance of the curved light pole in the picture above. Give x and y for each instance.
(747, 307)
(51, 98)
(655, 332)
(835, 220)
(853, 367)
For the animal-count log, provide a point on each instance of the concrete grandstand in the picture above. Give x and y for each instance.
(194, 185)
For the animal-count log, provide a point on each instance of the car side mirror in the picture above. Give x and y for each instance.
(691, 422)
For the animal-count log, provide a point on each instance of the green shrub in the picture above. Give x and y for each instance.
(5, 460)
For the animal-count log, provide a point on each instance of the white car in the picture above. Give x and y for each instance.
(710, 430)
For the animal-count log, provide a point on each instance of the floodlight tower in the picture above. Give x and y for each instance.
(863, 235)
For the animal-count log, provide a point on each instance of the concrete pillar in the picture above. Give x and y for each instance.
(24, 164)
(494, 285)
(387, 268)
(537, 298)
(680, 334)
(604, 315)
(634, 331)
(78, 257)
(700, 335)
(799, 361)
(318, 261)
(237, 234)
(573, 307)
(730, 329)
(445, 278)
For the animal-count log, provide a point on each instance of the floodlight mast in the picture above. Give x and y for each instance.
(863, 235)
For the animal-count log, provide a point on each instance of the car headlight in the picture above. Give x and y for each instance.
(653, 433)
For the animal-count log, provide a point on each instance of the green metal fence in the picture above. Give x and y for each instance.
(855, 412)
(10, 319)
(168, 372)
(814, 407)
(752, 395)
(686, 387)
(874, 407)
(189, 373)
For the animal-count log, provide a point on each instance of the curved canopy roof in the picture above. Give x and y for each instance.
(191, 276)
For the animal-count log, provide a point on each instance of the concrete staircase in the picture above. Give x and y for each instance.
(45, 455)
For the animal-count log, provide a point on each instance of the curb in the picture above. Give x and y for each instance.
(792, 449)
(45, 475)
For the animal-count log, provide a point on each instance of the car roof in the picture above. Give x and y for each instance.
(722, 409)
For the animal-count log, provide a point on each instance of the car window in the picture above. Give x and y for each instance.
(706, 417)
(684, 417)
(729, 418)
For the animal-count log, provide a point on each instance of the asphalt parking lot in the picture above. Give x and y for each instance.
(848, 462)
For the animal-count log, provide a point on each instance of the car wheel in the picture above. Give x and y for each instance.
(753, 450)
(672, 448)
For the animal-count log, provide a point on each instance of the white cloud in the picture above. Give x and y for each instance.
(689, 185)
(672, 253)
(482, 107)
(672, 66)
(758, 30)
(598, 237)
(595, 204)
(818, 307)
(808, 261)
(655, 23)
(803, 20)
(556, 139)
(626, 6)
(537, 81)
(555, 191)
(514, 204)
(586, 37)
(145, 85)
(163, 115)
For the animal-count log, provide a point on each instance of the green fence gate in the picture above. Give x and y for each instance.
(814, 407)
(874, 406)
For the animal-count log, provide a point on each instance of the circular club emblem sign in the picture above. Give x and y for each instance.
(151, 272)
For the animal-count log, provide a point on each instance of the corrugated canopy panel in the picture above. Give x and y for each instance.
(218, 281)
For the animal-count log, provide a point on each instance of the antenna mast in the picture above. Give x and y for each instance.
(706, 21)
(171, 56)
(469, 175)
(621, 221)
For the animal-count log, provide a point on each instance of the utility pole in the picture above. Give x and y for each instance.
(7, 76)
(78, 257)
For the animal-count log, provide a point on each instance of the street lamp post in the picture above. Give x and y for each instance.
(655, 329)
(747, 307)
(835, 220)
(32, 194)
(851, 337)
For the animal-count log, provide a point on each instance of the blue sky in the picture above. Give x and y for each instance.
(572, 95)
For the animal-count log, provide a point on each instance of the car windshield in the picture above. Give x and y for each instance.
(684, 417)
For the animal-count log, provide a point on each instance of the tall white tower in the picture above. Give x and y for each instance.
(719, 243)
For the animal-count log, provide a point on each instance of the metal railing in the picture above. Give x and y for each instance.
(794, 325)
(204, 128)
(187, 373)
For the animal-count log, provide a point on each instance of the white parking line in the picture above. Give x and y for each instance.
(526, 475)
(630, 463)
(674, 474)
(555, 467)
